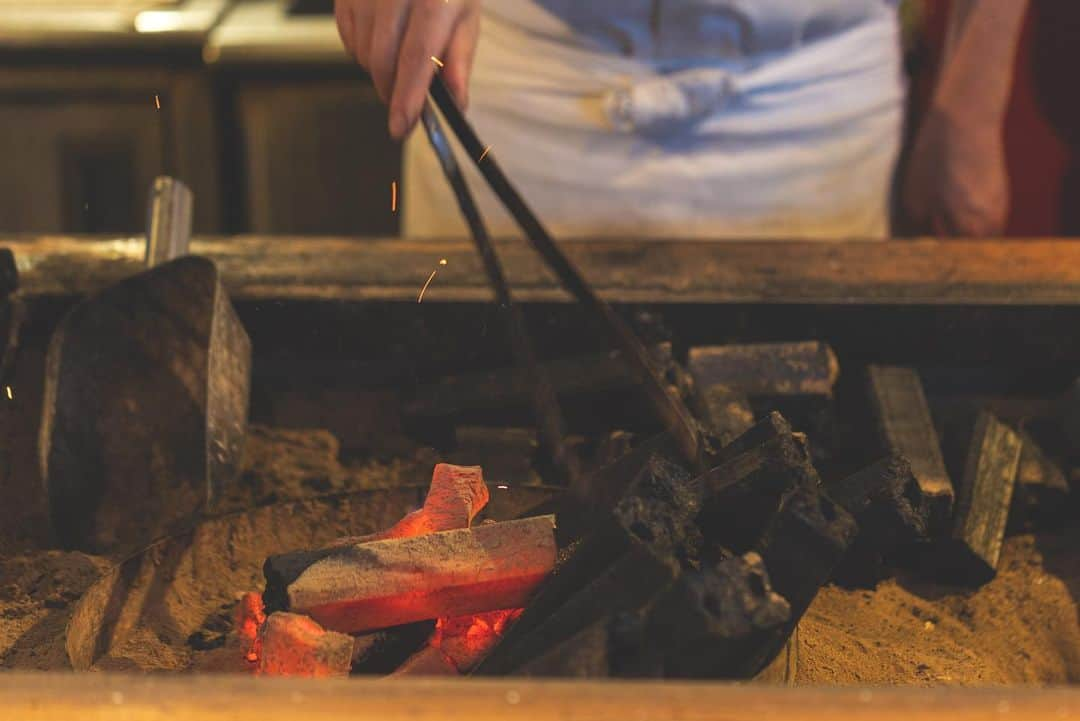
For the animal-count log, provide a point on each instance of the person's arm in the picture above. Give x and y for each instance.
(957, 182)
(396, 40)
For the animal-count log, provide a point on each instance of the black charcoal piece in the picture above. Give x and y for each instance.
(767, 369)
(740, 496)
(718, 622)
(970, 553)
(804, 543)
(907, 428)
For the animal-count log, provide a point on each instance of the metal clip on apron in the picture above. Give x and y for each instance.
(669, 408)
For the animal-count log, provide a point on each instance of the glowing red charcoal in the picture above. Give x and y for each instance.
(456, 495)
(451, 573)
(250, 616)
(295, 645)
(466, 640)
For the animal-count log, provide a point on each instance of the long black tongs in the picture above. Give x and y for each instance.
(668, 406)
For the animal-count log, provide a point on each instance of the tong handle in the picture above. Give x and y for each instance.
(672, 412)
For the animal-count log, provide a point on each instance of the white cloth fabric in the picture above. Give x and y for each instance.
(681, 119)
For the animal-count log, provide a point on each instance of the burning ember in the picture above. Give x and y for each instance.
(432, 564)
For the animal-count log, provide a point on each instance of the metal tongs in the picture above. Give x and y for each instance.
(668, 406)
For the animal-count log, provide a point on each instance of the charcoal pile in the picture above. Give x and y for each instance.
(652, 565)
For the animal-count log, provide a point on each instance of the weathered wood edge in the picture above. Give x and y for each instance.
(1014, 273)
(62, 696)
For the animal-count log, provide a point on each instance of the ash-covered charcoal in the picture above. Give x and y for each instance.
(456, 495)
(740, 496)
(374, 585)
(720, 622)
(281, 570)
(804, 542)
(295, 645)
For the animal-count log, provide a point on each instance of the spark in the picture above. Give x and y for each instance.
(442, 261)
(423, 290)
(437, 61)
(502, 487)
(393, 196)
(157, 101)
(10, 395)
(484, 154)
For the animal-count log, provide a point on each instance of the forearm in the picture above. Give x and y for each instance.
(977, 76)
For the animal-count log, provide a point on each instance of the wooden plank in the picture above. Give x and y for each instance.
(919, 272)
(907, 429)
(109, 697)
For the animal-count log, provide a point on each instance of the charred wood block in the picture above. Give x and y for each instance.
(907, 428)
(717, 622)
(452, 573)
(608, 485)
(384, 651)
(740, 496)
(885, 501)
(769, 428)
(295, 645)
(971, 552)
(585, 654)
(631, 553)
(625, 586)
(1041, 494)
(456, 495)
(768, 369)
(428, 661)
(804, 542)
(9, 273)
(467, 640)
(888, 507)
(612, 646)
(649, 474)
(725, 413)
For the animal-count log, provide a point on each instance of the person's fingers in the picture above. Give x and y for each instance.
(363, 19)
(345, 25)
(386, 33)
(426, 37)
(459, 57)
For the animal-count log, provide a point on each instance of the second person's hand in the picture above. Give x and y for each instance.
(396, 41)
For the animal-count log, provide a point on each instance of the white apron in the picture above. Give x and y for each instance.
(725, 119)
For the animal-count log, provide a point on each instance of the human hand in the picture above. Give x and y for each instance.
(957, 183)
(395, 40)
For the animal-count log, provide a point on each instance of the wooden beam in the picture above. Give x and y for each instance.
(109, 697)
(916, 272)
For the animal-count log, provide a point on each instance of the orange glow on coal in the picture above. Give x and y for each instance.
(250, 616)
(456, 496)
(466, 640)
